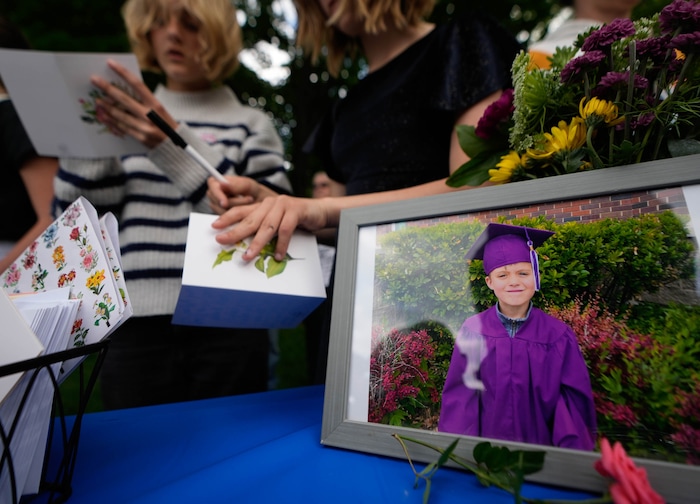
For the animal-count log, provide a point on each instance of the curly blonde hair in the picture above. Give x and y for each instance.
(220, 34)
(316, 32)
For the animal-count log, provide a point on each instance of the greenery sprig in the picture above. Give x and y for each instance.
(506, 469)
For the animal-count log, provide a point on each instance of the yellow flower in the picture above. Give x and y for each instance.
(508, 164)
(58, 256)
(564, 137)
(597, 110)
(95, 280)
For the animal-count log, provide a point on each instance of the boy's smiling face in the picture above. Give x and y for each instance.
(514, 286)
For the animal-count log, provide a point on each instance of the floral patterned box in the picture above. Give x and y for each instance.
(81, 251)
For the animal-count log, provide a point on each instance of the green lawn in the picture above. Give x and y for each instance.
(290, 371)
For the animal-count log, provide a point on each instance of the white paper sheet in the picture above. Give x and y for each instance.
(56, 101)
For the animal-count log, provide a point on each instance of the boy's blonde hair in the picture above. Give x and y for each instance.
(315, 31)
(220, 34)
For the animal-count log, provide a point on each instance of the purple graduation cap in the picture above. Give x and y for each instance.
(503, 244)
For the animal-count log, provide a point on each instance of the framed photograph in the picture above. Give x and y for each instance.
(621, 270)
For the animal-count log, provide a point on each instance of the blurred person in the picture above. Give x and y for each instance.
(322, 186)
(27, 190)
(584, 15)
(393, 136)
(195, 45)
(315, 324)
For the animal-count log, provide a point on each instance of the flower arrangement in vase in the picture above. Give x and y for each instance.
(622, 94)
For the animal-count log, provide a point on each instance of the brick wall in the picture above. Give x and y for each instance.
(618, 206)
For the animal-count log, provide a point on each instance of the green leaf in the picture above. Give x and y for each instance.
(427, 470)
(471, 144)
(223, 256)
(446, 454)
(260, 263)
(275, 267)
(481, 451)
(475, 171)
(530, 462)
(269, 249)
(497, 459)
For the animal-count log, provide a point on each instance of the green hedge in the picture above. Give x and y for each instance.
(421, 273)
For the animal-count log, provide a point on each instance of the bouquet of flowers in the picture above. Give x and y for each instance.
(624, 93)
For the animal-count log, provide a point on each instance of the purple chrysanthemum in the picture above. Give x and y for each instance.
(686, 42)
(495, 115)
(655, 48)
(612, 81)
(675, 65)
(680, 14)
(641, 121)
(608, 34)
(576, 66)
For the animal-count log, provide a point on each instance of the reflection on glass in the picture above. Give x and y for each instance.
(620, 271)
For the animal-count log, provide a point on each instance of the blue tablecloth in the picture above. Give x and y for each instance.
(249, 449)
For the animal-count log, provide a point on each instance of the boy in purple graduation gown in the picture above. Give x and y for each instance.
(517, 373)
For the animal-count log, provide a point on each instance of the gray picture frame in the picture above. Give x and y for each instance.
(563, 467)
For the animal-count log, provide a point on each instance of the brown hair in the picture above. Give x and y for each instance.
(316, 32)
(220, 34)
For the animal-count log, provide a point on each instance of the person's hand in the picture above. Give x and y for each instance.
(236, 191)
(124, 113)
(278, 216)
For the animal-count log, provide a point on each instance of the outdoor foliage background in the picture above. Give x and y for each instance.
(297, 103)
(642, 356)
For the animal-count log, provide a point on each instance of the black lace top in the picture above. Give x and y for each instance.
(15, 149)
(393, 129)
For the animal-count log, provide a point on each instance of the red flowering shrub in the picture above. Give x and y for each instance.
(641, 390)
(687, 424)
(400, 391)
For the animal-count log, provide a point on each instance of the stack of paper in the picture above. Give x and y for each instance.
(17, 342)
(67, 290)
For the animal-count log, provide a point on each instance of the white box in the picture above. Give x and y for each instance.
(235, 293)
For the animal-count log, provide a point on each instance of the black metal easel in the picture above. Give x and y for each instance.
(57, 487)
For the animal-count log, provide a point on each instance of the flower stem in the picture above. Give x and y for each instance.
(486, 478)
(595, 159)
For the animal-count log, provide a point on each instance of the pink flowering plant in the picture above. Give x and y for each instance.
(624, 93)
(646, 389)
(407, 371)
(401, 389)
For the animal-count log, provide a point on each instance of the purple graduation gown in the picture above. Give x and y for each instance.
(536, 387)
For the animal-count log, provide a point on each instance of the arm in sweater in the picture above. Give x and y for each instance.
(102, 181)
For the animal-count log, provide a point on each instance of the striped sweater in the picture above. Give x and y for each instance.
(152, 195)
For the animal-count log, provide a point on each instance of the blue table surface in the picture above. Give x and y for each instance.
(253, 448)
